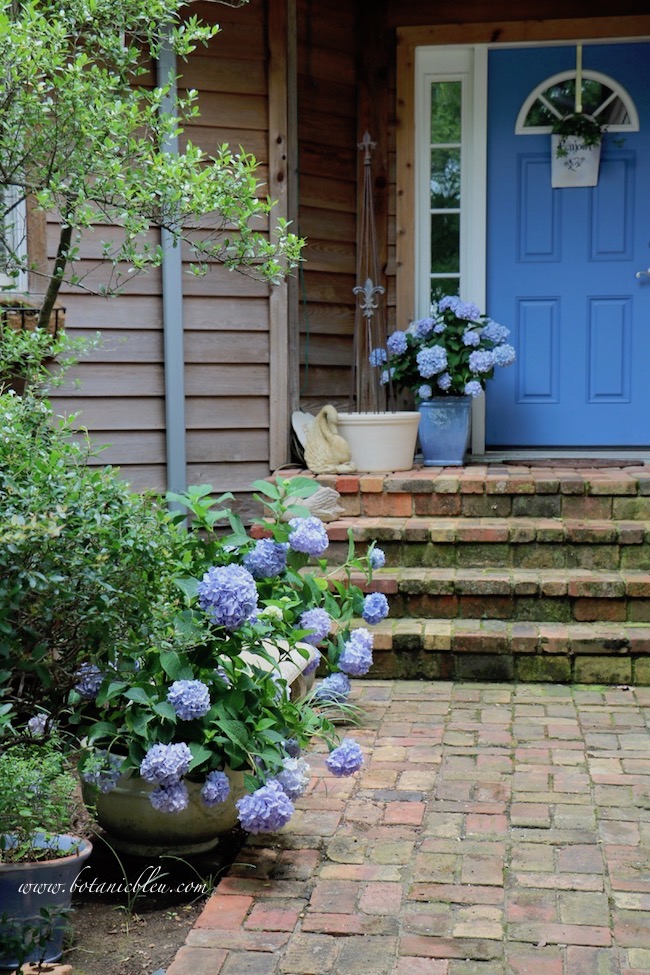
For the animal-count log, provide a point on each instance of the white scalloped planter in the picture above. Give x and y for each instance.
(577, 166)
(381, 441)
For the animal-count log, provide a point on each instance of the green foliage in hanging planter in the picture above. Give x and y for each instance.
(585, 127)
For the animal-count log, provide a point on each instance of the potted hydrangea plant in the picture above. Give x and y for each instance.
(445, 360)
(176, 657)
(202, 730)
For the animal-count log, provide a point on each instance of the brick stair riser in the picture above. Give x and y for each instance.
(560, 609)
(523, 555)
(406, 505)
(409, 663)
(451, 650)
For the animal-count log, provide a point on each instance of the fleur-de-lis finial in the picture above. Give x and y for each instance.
(368, 303)
(367, 145)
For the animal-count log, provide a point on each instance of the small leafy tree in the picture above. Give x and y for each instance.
(84, 135)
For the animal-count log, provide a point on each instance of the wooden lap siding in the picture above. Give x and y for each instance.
(226, 314)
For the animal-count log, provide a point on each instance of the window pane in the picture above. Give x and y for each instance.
(445, 178)
(561, 97)
(445, 111)
(444, 286)
(445, 243)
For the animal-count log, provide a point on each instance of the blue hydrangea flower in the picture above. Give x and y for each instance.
(318, 622)
(473, 388)
(335, 688)
(375, 608)
(504, 355)
(267, 560)
(89, 680)
(425, 392)
(356, 658)
(386, 376)
(377, 558)
(346, 759)
(216, 788)
(471, 336)
(189, 698)
(439, 328)
(102, 769)
(377, 357)
(228, 594)
(424, 327)
(170, 798)
(294, 777)
(166, 764)
(482, 360)
(37, 724)
(461, 309)
(397, 343)
(444, 381)
(494, 332)
(431, 361)
(308, 535)
(265, 810)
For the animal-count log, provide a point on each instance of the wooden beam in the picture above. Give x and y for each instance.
(278, 23)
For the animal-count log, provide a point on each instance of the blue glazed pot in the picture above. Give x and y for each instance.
(27, 888)
(444, 430)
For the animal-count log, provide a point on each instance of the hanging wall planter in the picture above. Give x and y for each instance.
(574, 162)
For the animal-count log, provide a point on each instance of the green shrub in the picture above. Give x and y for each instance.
(80, 557)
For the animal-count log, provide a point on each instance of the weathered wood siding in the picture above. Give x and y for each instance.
(327, 194)
(226, 314)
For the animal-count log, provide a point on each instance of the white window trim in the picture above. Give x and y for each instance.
(618, 89)
(468, 65)
(19, 243)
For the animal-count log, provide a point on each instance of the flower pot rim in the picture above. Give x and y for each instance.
(83, 849)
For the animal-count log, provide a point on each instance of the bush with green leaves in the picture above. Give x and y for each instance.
(38, 801)
(80, 558)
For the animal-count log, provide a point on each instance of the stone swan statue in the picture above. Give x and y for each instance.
(326, 451)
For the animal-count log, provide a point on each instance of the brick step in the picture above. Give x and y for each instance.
(556, 595)
(503, 542)
(481, 490)
(471, 649)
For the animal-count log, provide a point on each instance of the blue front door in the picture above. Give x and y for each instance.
(562, 265)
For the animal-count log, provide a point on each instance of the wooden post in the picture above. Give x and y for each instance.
(279, 417)
(373, 65)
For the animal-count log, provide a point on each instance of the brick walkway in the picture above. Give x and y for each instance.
(495, 829)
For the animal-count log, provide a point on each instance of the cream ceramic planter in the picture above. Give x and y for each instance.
(381, 441)
(134, 826)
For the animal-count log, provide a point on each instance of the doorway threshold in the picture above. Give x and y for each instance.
(613, 456)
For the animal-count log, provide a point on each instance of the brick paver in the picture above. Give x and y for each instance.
(501, 829)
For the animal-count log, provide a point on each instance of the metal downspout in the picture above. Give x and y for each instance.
(172, 311)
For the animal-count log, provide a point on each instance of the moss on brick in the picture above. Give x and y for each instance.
(556, 670)
(602, 670)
